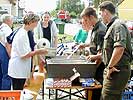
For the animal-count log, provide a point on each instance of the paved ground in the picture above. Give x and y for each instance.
(71, 29)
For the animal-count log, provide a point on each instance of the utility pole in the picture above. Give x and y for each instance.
(18, 7)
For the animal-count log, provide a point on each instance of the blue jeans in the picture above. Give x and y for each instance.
(5, 80)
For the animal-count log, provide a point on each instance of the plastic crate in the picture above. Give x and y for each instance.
(11, 95)
(128, 95)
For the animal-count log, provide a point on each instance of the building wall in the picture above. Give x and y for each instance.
(4, 2)
(125, 10)
(6, 6)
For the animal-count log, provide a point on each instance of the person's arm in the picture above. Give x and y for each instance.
(55, 32)
(97, 58)
(83, 45)
(22, 46)
(8, 49)
(116, 56)
(41, 51)
(55, 41)
(7, 31)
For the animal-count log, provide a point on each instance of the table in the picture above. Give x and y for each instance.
(35, 83)
(79, 89)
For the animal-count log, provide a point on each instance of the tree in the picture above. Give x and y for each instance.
(73, 6)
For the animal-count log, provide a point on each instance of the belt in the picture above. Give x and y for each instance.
(123, 67)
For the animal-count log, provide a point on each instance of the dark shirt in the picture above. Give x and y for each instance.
(117, 36)
(31, 40)
(97, 37)
(47, 33)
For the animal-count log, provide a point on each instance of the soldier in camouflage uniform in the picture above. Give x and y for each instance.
(116, 54)
(89, 19)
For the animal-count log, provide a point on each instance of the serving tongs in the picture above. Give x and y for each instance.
(69, 56)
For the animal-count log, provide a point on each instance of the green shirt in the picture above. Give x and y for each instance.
(81, 36)
(117, 35)
(97, 37)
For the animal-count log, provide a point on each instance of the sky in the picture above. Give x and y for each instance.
(40, 5)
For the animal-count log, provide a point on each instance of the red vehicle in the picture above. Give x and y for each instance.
(63, 15)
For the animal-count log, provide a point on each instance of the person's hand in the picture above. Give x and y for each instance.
(110, 71)
(91, 57)
(74, 45)
(81, 46)
(98, 61)
(42, 51)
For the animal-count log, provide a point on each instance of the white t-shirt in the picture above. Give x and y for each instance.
(5, 31)
(88, 40)
(18, 67)
(88, 37)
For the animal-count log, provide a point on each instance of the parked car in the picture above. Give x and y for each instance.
(17, 20)
(20, 20)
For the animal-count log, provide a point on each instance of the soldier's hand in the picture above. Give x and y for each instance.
(81, 46)
(110, 71)
(92, 58)
(98, 61)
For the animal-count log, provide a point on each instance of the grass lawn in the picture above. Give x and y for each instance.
(69, 38)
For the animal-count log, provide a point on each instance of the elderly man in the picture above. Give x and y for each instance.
(116, 53)
(5, 30)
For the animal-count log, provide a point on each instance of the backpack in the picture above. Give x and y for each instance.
(11, 36)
